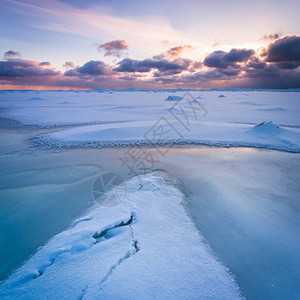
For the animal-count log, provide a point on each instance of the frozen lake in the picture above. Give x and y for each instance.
(244, 201)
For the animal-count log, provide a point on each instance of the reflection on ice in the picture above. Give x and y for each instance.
(246, 203)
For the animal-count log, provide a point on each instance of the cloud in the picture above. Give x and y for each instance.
(132, 65)
(44, 63)
(286, 49)
(93, 68)
(223, 60)
(69, 65)
(288, 65)
(146, 65)
(165, 74)
(11, 54)
(270, 37)
(165, 42)
(278, 67)
(172, 53)
(176, 51)
(268, 71)
(114, 48)
(24, 68)
(202, 76)
(197, 65)
(272, 77)
(256, 63)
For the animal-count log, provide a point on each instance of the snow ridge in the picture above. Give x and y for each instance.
(120, 251)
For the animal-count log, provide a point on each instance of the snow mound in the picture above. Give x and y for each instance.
(266, 126)
(173, 98)
(195, 102)
(144, 248)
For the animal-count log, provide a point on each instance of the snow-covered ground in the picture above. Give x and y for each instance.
(144, 248)
(262, 135)
(161, 117)
(147, 246)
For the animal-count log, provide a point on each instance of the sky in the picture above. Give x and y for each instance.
(75, 44)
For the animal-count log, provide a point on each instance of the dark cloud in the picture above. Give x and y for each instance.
(288, 65)
(69, 65)
(223, 60)
(24, 68)
(230, 72)
(72, 72)
(198, 64)
(217, 74)
(256, 63)
(268, 71)
(146, 65)
(44, 63)
(166, 73)
(132, 65)
(271, 78)
(271, 37)
(93, 68)
(11, 54)
(286, 49)
(200, 78)
(114, 48)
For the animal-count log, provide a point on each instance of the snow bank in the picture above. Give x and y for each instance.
(144, 248)
(263, 135)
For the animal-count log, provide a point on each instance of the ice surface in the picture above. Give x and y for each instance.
(125, 117)
(144, 248)
(246, 203)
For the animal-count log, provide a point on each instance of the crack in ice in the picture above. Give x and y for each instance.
(127, 255)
